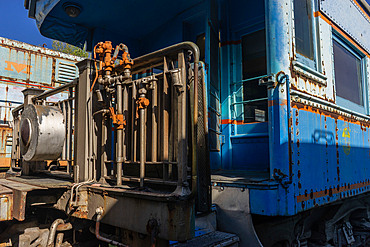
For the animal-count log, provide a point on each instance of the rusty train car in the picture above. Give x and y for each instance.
(197, 123)
(23, 66)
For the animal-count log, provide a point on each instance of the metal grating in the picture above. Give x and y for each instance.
(204, 197)
(66, 73)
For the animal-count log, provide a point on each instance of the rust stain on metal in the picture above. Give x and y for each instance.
(330, 114)
(80, 214)
(282, 102)
(345, 190)
(5, 162)
(6, 132)
(64, 227)
(6, 204)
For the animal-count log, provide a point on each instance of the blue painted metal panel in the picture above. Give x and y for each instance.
(330, 157)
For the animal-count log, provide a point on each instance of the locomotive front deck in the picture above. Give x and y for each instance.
(264, 119)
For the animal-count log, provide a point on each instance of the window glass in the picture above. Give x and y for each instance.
(347, 68)
(303, 28)
(254, 54)
(254, 65)
(201, 42)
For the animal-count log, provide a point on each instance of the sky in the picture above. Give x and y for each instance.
(15, 24)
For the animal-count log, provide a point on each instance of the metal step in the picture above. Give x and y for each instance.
(13, 199)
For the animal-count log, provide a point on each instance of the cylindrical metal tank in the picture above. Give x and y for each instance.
(42, 133)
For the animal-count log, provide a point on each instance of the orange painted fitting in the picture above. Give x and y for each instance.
(142, 103)
(117, 119)
(120, 122)
(126, 61)
(105, 55)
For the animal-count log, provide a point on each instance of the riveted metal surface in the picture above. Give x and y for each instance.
(341, 146)
(354, 14)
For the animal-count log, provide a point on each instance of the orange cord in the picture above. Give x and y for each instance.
(96, 70)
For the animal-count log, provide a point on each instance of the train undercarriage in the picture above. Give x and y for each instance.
(41, 216)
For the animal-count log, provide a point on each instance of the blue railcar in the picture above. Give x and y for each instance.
(287, 92)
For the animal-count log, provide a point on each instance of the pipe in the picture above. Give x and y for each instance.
(59, 241)
(119, 158)
(103, 111)
(183, 130)
(142, 143)
(99, 212)
(103, 148)
(133, 124)
(70, 129)
(182, 184)
(74, 202)
(194, 166)
(62, 105)
(125, 101)
(287, 85)
(54, 91)
(147, 59)
(53, 230)
(154, 124)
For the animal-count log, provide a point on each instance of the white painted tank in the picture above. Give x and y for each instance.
(42, 133)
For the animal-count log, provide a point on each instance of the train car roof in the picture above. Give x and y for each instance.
(97, 20)
(80, 22)
(37, 49)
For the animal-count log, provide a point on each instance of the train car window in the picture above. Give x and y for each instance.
(254, 65)
(304, 35)
(303, 27)
(201, 43)
(348, 73)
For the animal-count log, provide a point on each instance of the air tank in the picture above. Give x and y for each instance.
(42, 133)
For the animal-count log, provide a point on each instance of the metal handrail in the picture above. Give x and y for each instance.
(54, 91)
(249, 79)
(248, 101)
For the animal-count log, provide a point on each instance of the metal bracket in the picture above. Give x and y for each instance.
(348, 233)
(269, 81)
(282, 178)
(222, 139)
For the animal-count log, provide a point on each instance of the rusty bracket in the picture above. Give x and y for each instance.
(282, 178)
(117, 119)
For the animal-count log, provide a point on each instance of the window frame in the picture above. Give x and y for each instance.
(313, 64)
(363, 109)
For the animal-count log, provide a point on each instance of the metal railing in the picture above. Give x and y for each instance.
(66, 106)
(155, 116)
